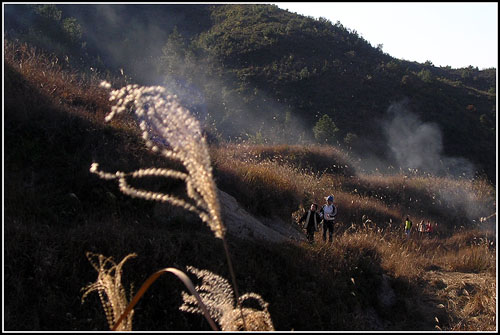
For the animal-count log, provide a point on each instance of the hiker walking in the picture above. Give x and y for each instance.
(421, 228)
(408, 225)
(428, 228)
(311, 220)
(328, 213)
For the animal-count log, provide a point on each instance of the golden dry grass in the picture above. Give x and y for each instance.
(110, 288)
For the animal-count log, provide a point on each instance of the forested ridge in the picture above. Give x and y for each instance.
(262, 74)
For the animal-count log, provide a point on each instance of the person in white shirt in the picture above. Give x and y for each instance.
(328, 213)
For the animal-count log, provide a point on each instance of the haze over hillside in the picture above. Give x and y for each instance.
(260, 73)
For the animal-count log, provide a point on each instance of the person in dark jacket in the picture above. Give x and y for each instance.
(311, 221)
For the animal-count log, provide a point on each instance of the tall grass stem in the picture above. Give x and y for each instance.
(187, 282)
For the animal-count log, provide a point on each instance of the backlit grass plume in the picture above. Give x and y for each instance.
(214, 298)
(218, 297)
(168, 128)
(110, 289)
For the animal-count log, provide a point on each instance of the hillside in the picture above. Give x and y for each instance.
(55, 211)
(257, 79)
(252, 72)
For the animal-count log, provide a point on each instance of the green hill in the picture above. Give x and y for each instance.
(256, 71)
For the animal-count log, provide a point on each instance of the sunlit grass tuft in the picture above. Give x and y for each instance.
(111, 291)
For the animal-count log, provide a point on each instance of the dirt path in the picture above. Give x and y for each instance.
(241, 223)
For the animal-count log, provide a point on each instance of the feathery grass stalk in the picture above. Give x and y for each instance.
(110, 289)
(233, 278)
(219, 298)
(169, 129)
(214, 290)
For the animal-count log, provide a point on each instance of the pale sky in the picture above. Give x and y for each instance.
(457, 34)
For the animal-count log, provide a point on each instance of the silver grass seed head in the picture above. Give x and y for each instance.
(162, 113)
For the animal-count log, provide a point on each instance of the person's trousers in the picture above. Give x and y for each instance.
(328, 225)
(310, 235)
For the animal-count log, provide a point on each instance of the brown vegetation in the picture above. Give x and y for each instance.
(370, 278)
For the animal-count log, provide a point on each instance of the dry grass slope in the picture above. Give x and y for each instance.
(55, 211)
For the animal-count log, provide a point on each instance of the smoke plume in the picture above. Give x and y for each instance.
(417, 145)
